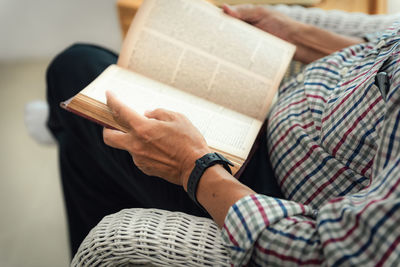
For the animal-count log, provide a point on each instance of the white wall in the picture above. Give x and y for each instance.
(393, 6)
(41, 28)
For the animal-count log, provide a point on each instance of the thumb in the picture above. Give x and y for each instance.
(122, 114)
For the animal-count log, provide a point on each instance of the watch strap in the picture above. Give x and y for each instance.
(201, 165)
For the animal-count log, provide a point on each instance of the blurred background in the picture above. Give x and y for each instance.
(32, 218)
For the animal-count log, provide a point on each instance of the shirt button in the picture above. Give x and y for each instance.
(380, 44)
(344, 71)
(300, 78)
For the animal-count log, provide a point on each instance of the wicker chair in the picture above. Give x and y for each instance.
(161, 238)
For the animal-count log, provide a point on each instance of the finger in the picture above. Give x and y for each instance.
(122, 114)
(161, 114)
(248, 13)
(115, 138)
(229, 10)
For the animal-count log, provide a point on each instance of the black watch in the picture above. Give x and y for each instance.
(201, 165)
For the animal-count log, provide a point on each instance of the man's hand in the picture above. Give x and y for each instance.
(311, 42)
(162, 143)
(265, 19)
(165, 144)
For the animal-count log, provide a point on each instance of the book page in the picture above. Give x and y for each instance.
(224, 129)
(193, 46)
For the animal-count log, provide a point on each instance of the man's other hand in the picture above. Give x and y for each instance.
(311, 42)
(162, 143)
(265, 19)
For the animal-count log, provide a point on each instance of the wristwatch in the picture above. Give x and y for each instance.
(200, 167)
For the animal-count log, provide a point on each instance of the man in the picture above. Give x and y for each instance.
(331, 195)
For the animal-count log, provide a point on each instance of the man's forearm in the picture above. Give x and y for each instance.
(314, 43)
(218, 191)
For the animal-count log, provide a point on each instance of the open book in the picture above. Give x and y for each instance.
(189, 57)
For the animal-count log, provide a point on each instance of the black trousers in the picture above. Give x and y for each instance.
(99, 180)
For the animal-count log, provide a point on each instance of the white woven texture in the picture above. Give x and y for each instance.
(350, 24)
(155, 238)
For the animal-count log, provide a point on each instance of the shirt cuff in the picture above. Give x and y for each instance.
(249, 216)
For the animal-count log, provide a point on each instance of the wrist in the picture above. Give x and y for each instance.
(201, 166)
(218, 191)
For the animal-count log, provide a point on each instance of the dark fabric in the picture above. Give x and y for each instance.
(99, 180)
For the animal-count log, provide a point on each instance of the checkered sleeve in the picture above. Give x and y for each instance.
(345, 170)
(353, 230)
(268, 230)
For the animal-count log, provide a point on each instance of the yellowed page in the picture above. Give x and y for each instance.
(224, 129)
(193, 46)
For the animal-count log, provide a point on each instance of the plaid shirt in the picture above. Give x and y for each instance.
(334, 144)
